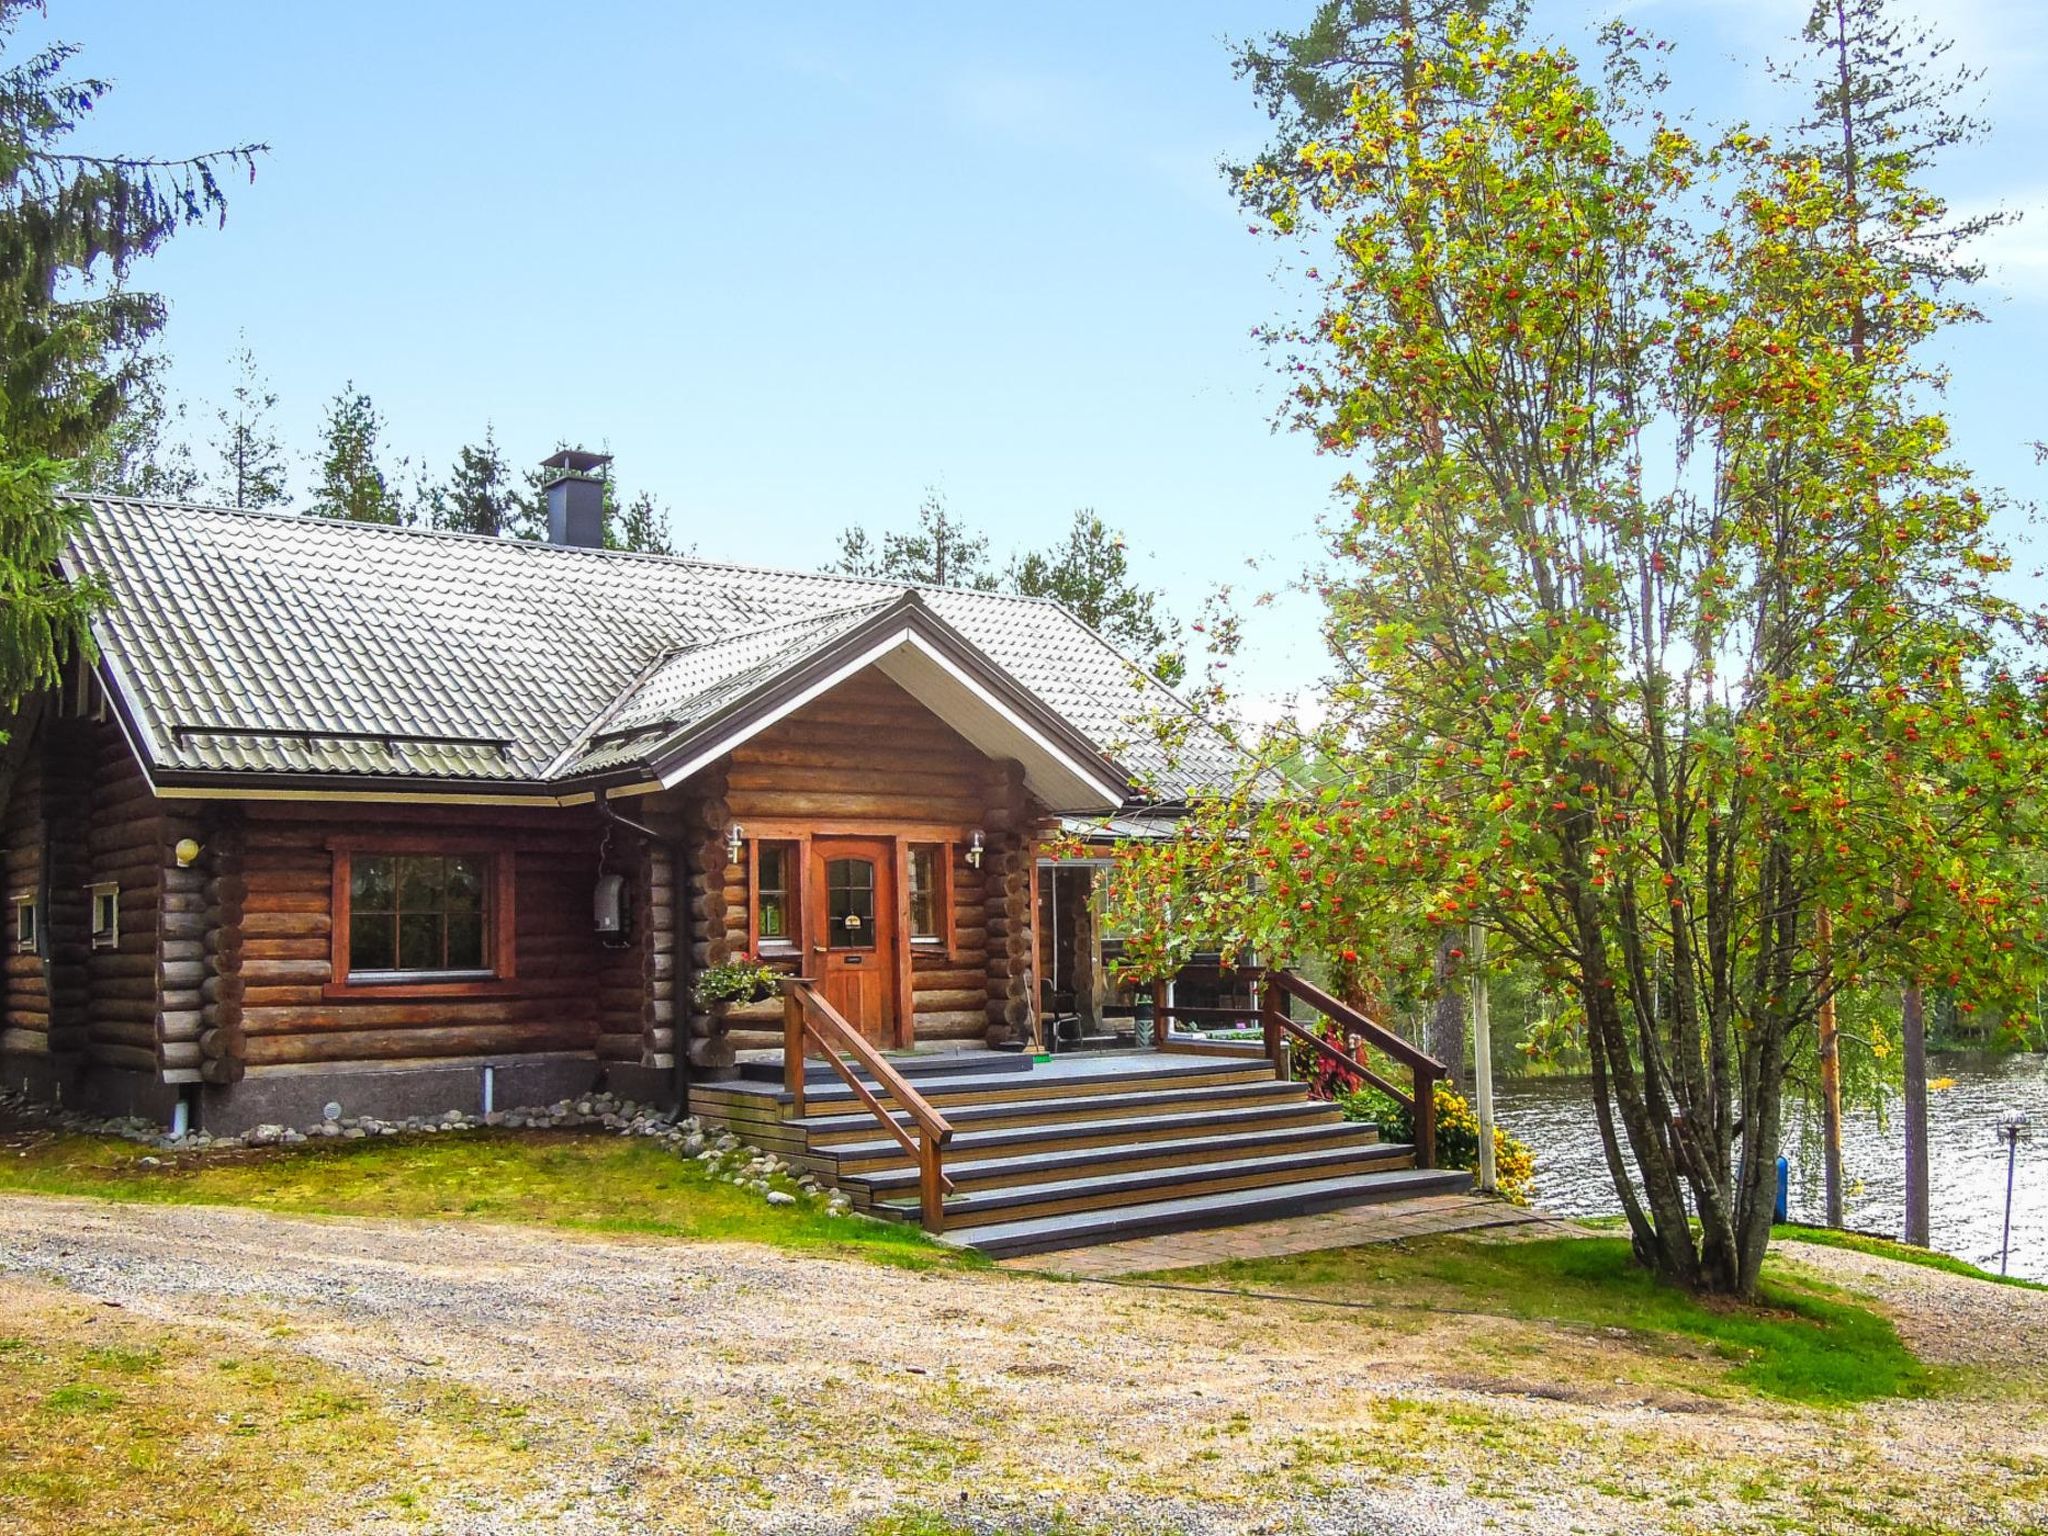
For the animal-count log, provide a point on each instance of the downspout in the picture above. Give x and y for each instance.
(679, 1023)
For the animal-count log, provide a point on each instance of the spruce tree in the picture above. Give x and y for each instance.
(74, 328)
(352, 485)
(251, 461)
(144, 453)
(939, 551)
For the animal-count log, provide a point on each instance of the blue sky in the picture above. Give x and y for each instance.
(794, 264)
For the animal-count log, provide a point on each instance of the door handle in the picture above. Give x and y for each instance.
(817, 949)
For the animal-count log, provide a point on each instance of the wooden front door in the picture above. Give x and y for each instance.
(853, 952)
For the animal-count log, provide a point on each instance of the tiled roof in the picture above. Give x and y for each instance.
(263, 643)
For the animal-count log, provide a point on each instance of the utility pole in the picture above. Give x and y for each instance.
(1830, 1073)
(1482, 1058)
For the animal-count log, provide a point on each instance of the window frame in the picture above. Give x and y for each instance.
(790, 943)
(109, 891)
(500, 919)
(942, 855)
(27, 906)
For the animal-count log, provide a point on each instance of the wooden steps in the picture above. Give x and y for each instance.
(1082, 1150)
(1049, 1234)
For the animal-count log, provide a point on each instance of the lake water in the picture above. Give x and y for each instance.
(1966, 1159)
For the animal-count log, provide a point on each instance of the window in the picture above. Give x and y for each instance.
(775, 894)
(106, 914)
(419, 913)
(930, 893)
(27, 924)
(850, 903)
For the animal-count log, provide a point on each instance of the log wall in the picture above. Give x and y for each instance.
(24, 982)
(80, 812)
(568, 992)
(866, 757)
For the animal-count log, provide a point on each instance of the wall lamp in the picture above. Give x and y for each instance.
(974, 850)
(735, 840)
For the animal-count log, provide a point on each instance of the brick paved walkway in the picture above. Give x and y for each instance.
(1384, 1223)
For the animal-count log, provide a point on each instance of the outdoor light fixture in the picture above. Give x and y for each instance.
(735, 840)
(187, 852)
(2012, 1130)
(974, 850)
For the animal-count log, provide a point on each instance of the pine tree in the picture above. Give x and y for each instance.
(251, 456)
(1090, 573)
(352, 485)
(74, 331)
(478, 495)
(642, 525)
(857, 554)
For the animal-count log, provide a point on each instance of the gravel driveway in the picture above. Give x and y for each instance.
(728, 1387)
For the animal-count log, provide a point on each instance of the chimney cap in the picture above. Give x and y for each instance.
(575, 461)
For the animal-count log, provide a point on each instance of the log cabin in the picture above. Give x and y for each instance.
(350, 819)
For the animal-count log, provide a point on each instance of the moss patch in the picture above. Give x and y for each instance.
(103, 1417)
(550, 1178)
(1800, 1341)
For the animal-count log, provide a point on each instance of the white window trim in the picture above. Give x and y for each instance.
(27, 904)
(108, 937)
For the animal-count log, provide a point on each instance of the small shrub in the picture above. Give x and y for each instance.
(1457, 1136)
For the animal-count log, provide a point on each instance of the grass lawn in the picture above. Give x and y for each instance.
(1803, 1342)
(103, 1417)
(553, 1178)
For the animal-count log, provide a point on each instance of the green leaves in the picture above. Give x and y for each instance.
(1662, 613)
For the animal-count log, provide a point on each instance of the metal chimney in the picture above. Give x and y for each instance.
(576, 497)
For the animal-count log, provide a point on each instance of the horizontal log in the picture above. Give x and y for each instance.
(294, 901)
(795, 804)
(271, 973)
(181, 1053)
(413, 1044)
(618, 1047)
(952, 1026)
(952, 999)
(710, 1055)
(181, 1023)
(111, 1029)
(127, 1058)
(834, 777)
(338, 1016)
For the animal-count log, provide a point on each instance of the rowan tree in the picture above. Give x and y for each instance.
(1664, 618)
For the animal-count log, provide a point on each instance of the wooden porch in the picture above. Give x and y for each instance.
(1010, 1155)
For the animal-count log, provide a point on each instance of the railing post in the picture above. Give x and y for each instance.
(793, 1046)
(1159, 1024)
(931, 1189)
(1425, 1118)
(1272, 1012)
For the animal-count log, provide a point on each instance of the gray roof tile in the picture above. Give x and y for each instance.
(263, 643)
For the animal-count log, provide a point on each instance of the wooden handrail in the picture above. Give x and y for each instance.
(1356, 1023)
(1423, 1068)
(806, 1015)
